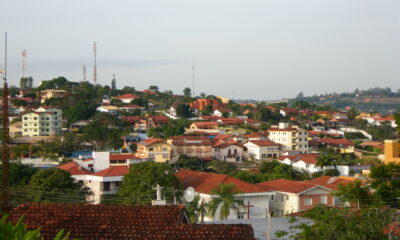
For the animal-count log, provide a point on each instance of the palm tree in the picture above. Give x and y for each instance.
(187, 92)
(153, 88)
(203, 94)
(326, 160)
(225, 201)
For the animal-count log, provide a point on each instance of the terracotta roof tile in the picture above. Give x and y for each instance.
(115, 222)
(113, 171)
(128, 96)
(204, 182)
(284, 185)
(329, 182)
(74, 169)
(263, 143)
(123, 156)
(150, 141)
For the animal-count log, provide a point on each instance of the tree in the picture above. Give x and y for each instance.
(187, 92)
(353, 192)
(20, 174)
(224, 202)
(113, 83)
(153, 88)
(82, 110)
(56, 185)
(137, 186)
(19, 231)
(325, 160)
(102, 136)
(182, 110)
(222, 167)
(141, 102)
(352, 113)
(191, 163)
(344, 223)
(386, 182)
(300, 95)
(26, 82)
(203, 94)
(18, 102)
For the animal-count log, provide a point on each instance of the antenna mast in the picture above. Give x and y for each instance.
(95, 64)
(193, 81)
(84, 72)
(23, 62)
(5, 185)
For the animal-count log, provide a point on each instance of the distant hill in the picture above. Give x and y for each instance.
(382, 100)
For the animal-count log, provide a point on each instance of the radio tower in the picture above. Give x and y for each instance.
(84, 72)
(5, 185)
(23, 63)
(95, 64)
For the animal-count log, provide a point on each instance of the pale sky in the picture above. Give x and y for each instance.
(260, 49)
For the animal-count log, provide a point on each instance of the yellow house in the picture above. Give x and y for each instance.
(154, 148)
(223, 99)
(392, 151)
(51, 93)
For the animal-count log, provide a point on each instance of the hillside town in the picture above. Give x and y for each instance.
(91, 149)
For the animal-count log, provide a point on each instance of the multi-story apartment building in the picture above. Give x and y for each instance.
(52, 93)
(291, 138)
(155, 149)
(192, 146)
(44, 121)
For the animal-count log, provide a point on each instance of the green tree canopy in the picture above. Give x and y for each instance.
(224, 202)
(56, 185)
(137, 186)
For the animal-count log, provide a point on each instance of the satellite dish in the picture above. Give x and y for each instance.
(189, 194)
(331, 180)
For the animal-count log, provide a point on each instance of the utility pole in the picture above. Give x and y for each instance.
(5, 195)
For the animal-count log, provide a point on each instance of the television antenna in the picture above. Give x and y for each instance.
(189, 194)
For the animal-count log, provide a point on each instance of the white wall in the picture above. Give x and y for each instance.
(101, 160)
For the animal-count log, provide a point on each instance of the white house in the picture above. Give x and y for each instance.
(108, 109)
(227, 151)
(292, 196)
(203, 184)
(102, 173)
(292, 138)
(127, 98)
(262, 149)
(302, 162)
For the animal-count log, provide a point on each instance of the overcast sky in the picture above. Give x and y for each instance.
(260, 49)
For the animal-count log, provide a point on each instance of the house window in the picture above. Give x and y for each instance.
(323, 199)
(272, 197)
(282, 198)
(35, 118)
(106, 186)
(25, 118)
(164, 149)
(307, 201)
(151, 149)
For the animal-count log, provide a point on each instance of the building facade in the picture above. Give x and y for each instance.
(44, 121)
(292, 138)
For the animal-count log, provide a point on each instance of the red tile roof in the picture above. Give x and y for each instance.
(253, 135)
(151, 141)
(337, 142)
(264, 143)
(123, 156)
(210, 117)
(222, 144)
(129, 222)
(189, 138)
(329, 182)
(205, 124)
(307, 158)
(131, 119)
(74, 169)
(204, 182)
(127, 96)
(159, 119)
(223, 136)
(284, 185)
(113, 171)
